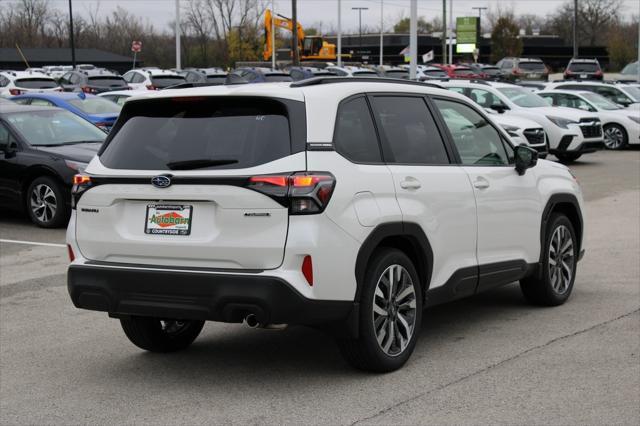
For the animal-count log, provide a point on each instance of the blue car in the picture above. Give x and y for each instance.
(101, 112)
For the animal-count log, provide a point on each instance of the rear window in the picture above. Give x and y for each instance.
(277, 77)
(95, 106)
(584, 67)
(107, 81)
(207, 133)
(462, 71)
(397, 74)
(491, 70)
(216, 79)
(532, 66)
(439, 73)
(167, 80)
(36, 83)
(365, 73)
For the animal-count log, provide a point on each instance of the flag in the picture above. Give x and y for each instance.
(427, 57)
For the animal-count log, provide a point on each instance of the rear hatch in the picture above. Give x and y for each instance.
(36, 84)
(175, 184)
(107, 83)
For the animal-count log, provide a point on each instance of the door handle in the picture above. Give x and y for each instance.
(410, 183)
(481, 183)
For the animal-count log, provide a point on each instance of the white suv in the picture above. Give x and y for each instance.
(152, 78)
(13, 83)
(570, 133)
(350, 204)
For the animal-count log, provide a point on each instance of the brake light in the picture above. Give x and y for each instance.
(15, 92)
(307, 269)
(151, 87)
(87, 89)
(81, 180)
(72, 256)
(80, 184)
(303, 193)
(598, 72)
(517, 71)
(567, 72)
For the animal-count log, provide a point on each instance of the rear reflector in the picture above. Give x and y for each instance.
(72, 257)
(307, 269)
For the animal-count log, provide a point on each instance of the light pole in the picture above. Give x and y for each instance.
(450, 32)
(480, 9)
(294, 39)
(273, 36)
(413, 40)
(575, 28)
(444, 32)
(178, 62)
(339, 33)
(71, 37)
(381, 32)
(360, 9)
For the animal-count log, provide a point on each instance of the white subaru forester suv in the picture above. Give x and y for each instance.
(342, 203)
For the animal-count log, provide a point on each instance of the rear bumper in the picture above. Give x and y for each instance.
(180, 294)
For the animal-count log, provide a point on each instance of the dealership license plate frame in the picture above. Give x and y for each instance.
(179, 229)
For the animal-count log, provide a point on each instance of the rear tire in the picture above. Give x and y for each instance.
(566, 158)
(46, 203)
(390, 315)
(615, 137)
(553, 286)
(160, 335)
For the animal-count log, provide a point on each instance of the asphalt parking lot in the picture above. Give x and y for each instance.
(488, 359)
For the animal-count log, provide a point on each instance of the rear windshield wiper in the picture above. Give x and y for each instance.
(199, 163)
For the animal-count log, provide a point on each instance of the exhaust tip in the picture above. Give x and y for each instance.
(251, 321)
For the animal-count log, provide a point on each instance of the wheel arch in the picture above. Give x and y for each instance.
(31, 174)
(406, 237)
(568, 205)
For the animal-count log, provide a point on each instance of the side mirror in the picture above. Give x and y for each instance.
(500, 109)
(526, 158)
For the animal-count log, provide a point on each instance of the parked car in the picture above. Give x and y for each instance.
(152, 78)
(514, 69)
(204, 76)
(522, 131)
(57, 71)
(629, 73)
(352, 71)
(101, 112)
(570, 133)
(41, 149)
(621, 127)
(534, 86)
(93, 81)
(485, 71)
(303, 73)
(583, 69)
(313, 215)
(120, 96)
(13, 83)
(392, 72)
(458, 71)
(256, 75)
(626, 95)
(427, 72)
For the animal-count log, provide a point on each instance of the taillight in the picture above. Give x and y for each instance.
(303, 193)
(80, 184)
(72, 256)
(517, 71)
(87, 89)
(151, 87)
(15, 92)
(307, 269)
(598, 72)
(567, 72)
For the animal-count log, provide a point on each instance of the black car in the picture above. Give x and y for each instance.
(204, 76)
(41, 149)
(583, 69)
(303, 73)
(256, 75)
(92, 81)
(485, 71)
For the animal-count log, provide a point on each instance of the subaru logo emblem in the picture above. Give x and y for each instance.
(161, 181)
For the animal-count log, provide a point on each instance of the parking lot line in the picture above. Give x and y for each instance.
(32, 243)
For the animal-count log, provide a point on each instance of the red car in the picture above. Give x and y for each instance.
(458, 71)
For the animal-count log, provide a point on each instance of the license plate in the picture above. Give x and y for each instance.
(583, 76)
(168, 219)
(533, 75)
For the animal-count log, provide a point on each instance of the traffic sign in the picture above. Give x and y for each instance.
(136, 46)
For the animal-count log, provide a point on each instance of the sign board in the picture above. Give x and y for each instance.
(136, 46)
(467, 30)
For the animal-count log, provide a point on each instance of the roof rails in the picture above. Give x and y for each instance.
(331, 80)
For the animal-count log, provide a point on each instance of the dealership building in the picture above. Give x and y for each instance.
(10, 58)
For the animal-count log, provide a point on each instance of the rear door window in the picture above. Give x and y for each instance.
(355, 136)
(207, 133)
(409, 131)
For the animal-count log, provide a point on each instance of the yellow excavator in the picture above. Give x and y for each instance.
(311, 48)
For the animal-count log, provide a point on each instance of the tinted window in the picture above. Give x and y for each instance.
(95, 106)
(54, 127)
(167, 80)
(36, 83)
(213, 133)
(107, 81)
(365, 73)
(409, 130)
(571, 101)
(476, 140)
(355, 136)
(532, 66)
(611, 93)
(216, 79)
(397, 74)
(277, 77)
(584, 67)
(438, 73)
(462, 71)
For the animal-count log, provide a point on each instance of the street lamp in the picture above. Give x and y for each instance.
(360, 9)
(71, 41)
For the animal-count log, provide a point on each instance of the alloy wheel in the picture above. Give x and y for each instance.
(613, 137)
(43, 203)
(394, 310)
(561, 259)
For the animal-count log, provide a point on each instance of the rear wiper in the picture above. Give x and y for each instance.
(79, 142)
(199, 163)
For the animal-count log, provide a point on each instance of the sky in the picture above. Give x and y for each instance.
(315, 12)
